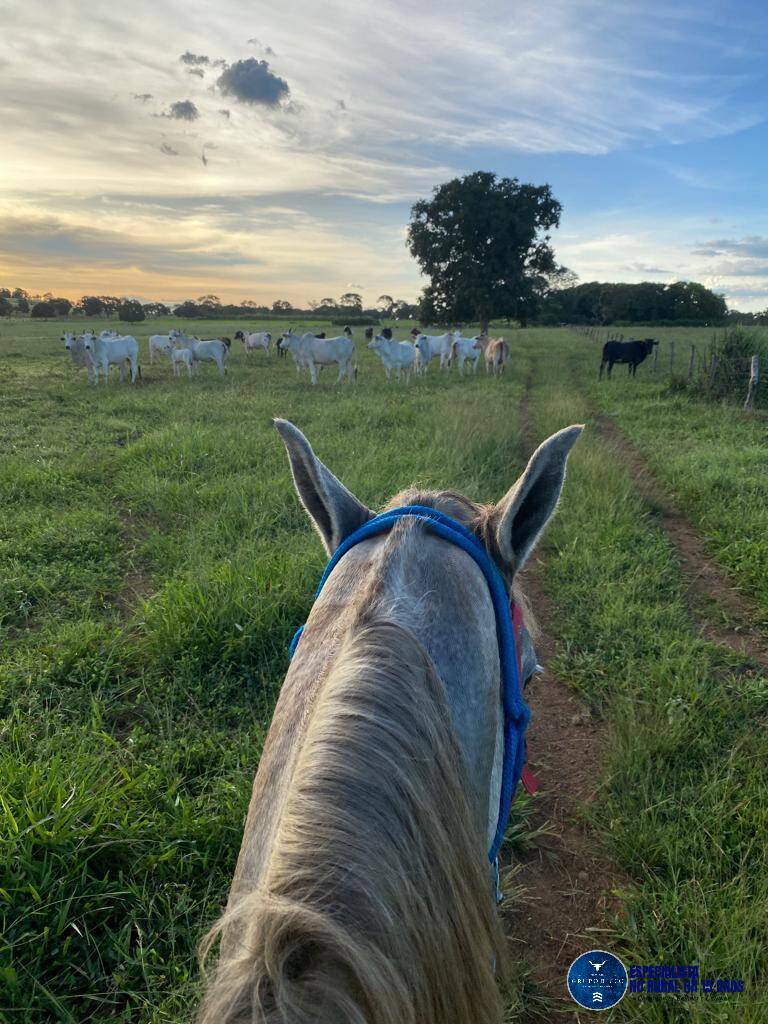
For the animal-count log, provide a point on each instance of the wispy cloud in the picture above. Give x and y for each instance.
(438, 90)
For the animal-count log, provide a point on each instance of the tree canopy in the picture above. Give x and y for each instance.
(482, 241)
(648, 302)
(43, 309)
(131, 311)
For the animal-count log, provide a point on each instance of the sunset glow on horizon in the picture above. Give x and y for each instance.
(165, 151)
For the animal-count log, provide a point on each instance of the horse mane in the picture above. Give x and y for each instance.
(375, 905)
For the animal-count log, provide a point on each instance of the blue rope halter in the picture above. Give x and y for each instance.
(516, 712)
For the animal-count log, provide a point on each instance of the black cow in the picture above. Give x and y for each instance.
(631, 352)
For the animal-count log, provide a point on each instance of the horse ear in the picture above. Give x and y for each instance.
(518, 521)
(335, 512)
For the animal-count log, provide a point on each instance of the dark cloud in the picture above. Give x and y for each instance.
(341, 105)
(750, 246)
(645, 268)
(183, 110)
(196, 71)
(225, 113)
(204, 159)
(220, 63)
(251, 81)
(194, 58)
(168, 150)
(142, 97)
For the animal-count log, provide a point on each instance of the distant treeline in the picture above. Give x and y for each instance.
(682, 304)
(678, 304)
(349, 308)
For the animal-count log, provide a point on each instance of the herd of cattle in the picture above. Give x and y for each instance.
(310, 351)
(313, 351)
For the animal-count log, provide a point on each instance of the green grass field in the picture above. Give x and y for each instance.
(154, 563)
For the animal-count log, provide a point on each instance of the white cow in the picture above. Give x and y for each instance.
(257, 339)
(210, 350)
(463, 350)
(181, 357)
(432, 346)
(395, 355)
(112, 351)
(77, 350)
(313, 352)
(162, 343)
(496, 356)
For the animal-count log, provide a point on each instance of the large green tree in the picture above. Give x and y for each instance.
(483, 242)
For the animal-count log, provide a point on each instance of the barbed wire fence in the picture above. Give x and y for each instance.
(732, 366)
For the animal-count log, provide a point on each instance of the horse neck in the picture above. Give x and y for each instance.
(374, 903)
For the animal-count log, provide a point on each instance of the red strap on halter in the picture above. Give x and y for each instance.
(528, 779)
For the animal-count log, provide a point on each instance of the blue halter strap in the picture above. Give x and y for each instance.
(516, 712)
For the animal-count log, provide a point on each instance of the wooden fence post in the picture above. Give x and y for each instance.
(691, 361)
(754, 380)
(655, 357)
(671, 357)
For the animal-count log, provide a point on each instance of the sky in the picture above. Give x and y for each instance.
(169, 149)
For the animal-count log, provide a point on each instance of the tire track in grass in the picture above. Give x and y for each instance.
(721, 613)
(570, 887)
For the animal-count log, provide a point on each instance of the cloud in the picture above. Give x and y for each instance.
(194, 58)
(204, 159)
(142, 97)
(253, 41)
(226, 113)
(183, 110)
(644, 268)
(168, 150)
(198, 72)
(251, 81)
(751, 245)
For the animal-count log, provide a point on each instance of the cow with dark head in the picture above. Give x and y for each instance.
(631, 352)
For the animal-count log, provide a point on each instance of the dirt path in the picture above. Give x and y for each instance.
(137, 583)
(569, 886)
(721, 613)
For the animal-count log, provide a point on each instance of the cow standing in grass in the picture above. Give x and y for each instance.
(631, 352)
(161, 343)
(496, 356)
(253, 340)
(112, 351)
(314, 353)
(75, 345)
(395, 355)
(209, 350)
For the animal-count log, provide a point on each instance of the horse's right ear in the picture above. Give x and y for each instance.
(335, 512)
(520, 517)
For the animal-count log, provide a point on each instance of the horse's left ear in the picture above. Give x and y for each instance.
(335, 512)
(519, 519)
